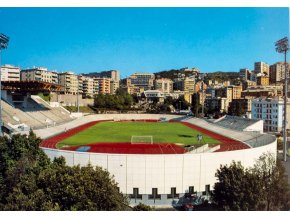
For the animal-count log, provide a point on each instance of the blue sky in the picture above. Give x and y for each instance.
(142, 39)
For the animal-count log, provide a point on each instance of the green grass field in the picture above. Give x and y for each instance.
(162, 132)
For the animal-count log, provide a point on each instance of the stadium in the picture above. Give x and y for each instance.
(155, 158)
(153, 172)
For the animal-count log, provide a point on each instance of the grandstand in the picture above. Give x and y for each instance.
(34, 115)
(22, 109)
(239, 123)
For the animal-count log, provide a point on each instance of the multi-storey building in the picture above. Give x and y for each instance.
(70, 83)
(134, 90)
(270, 110)
(164, 85)
(277, 72)
(114, 85)
(217, 104)
(104, 85)
(39, 74)
(261, 67)
(245, 102)
(141, 80)
(113, 74)
(237, 91)
(10, 73)
(248, 83)
(262, 91)
(245, 74)
(186, 84)
(88, 86)
(262, 80)
(114, 77)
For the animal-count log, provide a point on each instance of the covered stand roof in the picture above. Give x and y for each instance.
(30, 86)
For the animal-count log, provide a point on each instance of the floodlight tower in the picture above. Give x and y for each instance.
(3, 45)
(282, 46)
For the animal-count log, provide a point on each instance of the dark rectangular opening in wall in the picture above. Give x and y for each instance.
(207, 190)
(155, 194)
(136, 194)
(172, 193)
(191, 189)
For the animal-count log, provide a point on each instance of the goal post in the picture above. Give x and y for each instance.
(136, 139)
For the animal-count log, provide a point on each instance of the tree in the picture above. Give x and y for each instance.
(263, 187)
(271, 174)
(142, 207)
(30, 181)
(236, 189)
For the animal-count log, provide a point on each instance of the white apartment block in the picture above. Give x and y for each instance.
(39, 74)
(270, 110)
(10, 73)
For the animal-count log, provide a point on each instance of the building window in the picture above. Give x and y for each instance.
(172, 193)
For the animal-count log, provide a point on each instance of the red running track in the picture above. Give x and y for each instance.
(226, 144)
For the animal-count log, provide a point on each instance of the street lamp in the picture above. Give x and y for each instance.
(282, 46)
(3, 45)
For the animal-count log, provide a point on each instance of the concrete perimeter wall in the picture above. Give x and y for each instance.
(163, 172)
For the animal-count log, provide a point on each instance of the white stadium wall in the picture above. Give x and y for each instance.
(163, 171)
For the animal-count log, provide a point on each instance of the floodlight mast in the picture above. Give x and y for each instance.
(282, 46)
(3, 45)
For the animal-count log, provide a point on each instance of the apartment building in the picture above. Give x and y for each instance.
(113, 74)
(164, 85)
(88, 86)
(261, 67)
(104, 85)
(70, 83)
(245, 74)
(134, 90)
(141, 80)
(262, 91)
(114, 85)
(270, 110)
(217, 104)
(39, 74)
(262, 80)
(186, 84)
(245, 102)
(277, 72)
(10, 73)
(248, 83)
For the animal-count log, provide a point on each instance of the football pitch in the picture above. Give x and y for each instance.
(162, 132)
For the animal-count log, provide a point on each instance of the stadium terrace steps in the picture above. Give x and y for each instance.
(253, 139)
(35, 115)
(234, 122)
